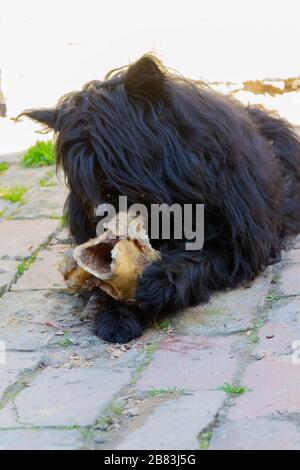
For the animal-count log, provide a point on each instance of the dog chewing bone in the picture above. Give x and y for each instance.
(112, 262)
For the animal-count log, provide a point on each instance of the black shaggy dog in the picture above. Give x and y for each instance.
(156, 137)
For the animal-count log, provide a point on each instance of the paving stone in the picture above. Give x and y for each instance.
(227, 312)
(20, 238)
(12, 157)
(81, 379)
(19, 309)
(8, 272)
(8, 418)
(176, 424)
(43, 202)
(192, 363)
(292, 256)
(43, 274)
(40, 439)
(286, 311)
(16, 363)
(8, 209)
(290, 280)
(297, 239)
(273, 389)
(63, 237)
(276, 339)
(68, 397)
(3, 205)
(128, 358)
(17, 175)
(256, 434)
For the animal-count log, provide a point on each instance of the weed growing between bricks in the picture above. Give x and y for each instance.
(148, 355)
(270, 298)
(204, 440)
(23, 381)
(156, 392)
(13, 194)
(233, 390)
(25, 264)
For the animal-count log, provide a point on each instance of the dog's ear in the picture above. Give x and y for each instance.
(145, 78)
(46, 116)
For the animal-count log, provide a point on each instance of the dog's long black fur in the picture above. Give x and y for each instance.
(156, 137)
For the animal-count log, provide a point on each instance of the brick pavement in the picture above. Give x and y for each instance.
(221, 376)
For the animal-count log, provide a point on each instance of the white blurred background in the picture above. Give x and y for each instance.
(50, 47)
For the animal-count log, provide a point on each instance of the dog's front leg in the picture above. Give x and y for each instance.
(116, 322)
(178, 280)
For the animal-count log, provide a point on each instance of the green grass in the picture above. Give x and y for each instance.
(3, 167)
(24, 264)
(62, 218)
(104, 421)
(66, 341)
(254, 338)
(56, 217)
(165, 325)
(272, 297)
(257, 324)
(116, 407)
(40, 154)
(149, 352)
(233, 390)
(112, 414)
(88, 433)
(13, 194)
(204, 440)
(151, 348)
(45, 183)
(2, 213)
(156, 392)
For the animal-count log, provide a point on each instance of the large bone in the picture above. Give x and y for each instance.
(112, 262)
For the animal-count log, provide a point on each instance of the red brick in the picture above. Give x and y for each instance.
(292, 256)
(20, 238)
(43, 273)
(287, 312)
(8, 272)
(256, 434)
(194, 363)
(273, 389)
(226, 313)
(176, 424)
(276, 339)
(290, 280)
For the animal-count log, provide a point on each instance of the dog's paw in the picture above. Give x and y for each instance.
(118, 324)
(156, 290)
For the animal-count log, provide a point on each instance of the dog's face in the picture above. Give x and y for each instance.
(129, 135)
